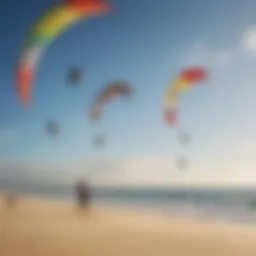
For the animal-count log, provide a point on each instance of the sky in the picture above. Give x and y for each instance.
(145, 43)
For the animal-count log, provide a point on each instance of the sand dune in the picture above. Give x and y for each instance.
(37, 227)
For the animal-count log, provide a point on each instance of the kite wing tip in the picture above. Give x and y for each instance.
(23, 81)
(170, 117)
(103, 7)
(89, 6)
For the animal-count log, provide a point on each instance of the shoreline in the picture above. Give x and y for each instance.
(145, 210)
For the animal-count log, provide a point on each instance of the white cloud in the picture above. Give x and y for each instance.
(249, 40)
(196, 54)
(200, 54)
(237, 169)
(224, 58)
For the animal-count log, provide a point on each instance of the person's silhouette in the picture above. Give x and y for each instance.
(83, 196)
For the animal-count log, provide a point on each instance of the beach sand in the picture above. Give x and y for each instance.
(38, 227)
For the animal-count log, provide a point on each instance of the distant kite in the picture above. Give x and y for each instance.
(112, 90)
(99, 141)
(52, 128)
(74, 76)
(184, 138)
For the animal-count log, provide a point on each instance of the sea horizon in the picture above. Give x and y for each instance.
(231, 204)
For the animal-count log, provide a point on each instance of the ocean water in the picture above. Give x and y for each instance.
(233, 205)
(229, 205)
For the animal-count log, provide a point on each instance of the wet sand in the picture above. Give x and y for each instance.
(44, 228)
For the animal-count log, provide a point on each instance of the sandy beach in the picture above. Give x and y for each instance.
(40, 227)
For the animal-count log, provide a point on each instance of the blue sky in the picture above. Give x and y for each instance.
(145, 43)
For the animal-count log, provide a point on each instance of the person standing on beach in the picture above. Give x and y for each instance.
(83, 196)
